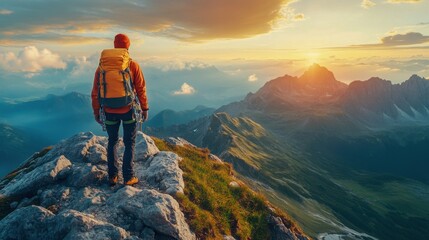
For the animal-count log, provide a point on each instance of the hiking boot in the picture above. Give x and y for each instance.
(113, 180)
(132, 181)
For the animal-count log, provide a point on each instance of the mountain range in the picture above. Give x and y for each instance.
(169, 117)
(33, 124)
(346, 161)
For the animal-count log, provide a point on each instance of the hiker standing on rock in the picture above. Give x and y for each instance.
(119, 94)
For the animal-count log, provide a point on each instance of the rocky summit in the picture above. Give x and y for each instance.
(63, 193)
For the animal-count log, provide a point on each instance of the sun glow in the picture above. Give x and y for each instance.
(312, 57)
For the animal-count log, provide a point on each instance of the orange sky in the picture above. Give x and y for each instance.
(355, 39)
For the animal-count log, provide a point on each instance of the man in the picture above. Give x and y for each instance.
(114, 115)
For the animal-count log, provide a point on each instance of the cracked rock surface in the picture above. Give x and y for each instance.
(65, 194)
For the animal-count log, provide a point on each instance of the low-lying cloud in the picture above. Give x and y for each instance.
(31, 60)
(178, 65)
(5, 12)
(252, 78)
(185, 89)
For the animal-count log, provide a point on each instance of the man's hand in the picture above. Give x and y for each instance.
(97, 119)
(145, 115)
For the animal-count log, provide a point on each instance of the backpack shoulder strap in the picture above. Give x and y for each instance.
(101, 82)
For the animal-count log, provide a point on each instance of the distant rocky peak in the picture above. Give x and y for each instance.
(318, 75)
(417, 81)
(416, 77)
(370, 84)
(379, 80)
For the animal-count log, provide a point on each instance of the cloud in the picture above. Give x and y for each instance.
(31, 61)
(83, 65)
(179, 65)
(187, 20)
(185, 89)
(414, 65)
(404, 39)
(397, 40)
(299, 17)
(252, 78)
(367, 3)
(387, 69)
(13, 38)
(5, 12)
(404, 1)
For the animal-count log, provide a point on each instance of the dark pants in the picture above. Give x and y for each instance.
(113, 121)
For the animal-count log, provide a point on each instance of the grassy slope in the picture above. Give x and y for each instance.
(323, 195)
(212, 207)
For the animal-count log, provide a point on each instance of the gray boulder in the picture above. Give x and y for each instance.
(178, 141)
(75, 148)
(26, 223)
(148, 234)
(35, 222)
(163, 173)
(227, 237)
(39, 177)
(86, 175)
(215, 158)
(144, 148)
(97, 154)
(281, 232)
(76, 225)
(159, 211)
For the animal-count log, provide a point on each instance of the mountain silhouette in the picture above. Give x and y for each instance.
(316, 86)
(379, 101)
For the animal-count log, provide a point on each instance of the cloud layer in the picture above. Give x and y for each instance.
(188, 20)
(31, 60)
(369, 3)
(404, 1)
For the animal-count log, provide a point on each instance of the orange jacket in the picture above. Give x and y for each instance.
(139, 87)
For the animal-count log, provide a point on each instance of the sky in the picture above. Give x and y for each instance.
(53, 44)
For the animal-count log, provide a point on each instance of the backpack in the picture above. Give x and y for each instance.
(115, 86)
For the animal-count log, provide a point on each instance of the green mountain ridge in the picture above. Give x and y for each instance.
(322, 195)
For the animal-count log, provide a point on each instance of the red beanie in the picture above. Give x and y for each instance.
(122, 41)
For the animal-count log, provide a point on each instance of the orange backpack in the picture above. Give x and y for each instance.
(115, 86)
